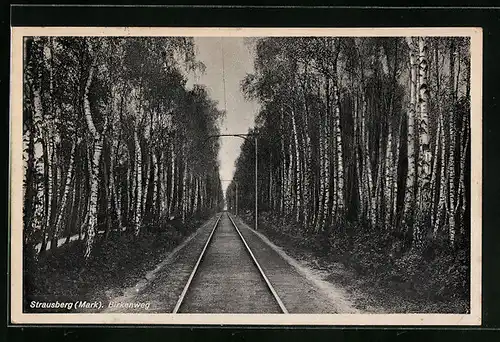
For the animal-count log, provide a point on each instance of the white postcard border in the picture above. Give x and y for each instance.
(16, 179)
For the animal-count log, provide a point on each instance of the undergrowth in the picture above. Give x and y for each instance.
(118, 261)
(430, 279)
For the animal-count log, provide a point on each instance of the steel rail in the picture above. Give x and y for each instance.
(256, 263)
(191, 276)
(269, 285)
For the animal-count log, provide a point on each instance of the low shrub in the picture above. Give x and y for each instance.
(118, 261)
(434, 277)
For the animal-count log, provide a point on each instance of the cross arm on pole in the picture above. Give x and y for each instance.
(239, 135)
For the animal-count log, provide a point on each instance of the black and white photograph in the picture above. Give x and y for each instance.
(246, 176)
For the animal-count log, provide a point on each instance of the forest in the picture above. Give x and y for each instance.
(364, 150)
(363, 158)
(114, 141)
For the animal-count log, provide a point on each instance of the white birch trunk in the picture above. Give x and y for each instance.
(369, 188)
(340, 157)
(155, 185)
(395, 179)
(196, 194)
(94, 182)
(443, 186)
(357, 143)
(410, 178)
(451, 153)
(112, 182)
(425, 153)
(128, 190)
(461, 187)
(298, 203)
(138, 168)
(92, 219)
(147, 173)
(172, 180)
(163, 206)
(388, 179)
(326, 162)
(38, 204)
(376, 200)
(203, 189)
(67, 186)
(184, 192)
(424, 160)
(434, 179)
(321, 193)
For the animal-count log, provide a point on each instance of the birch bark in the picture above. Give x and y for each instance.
(410, 177)
(96, 157)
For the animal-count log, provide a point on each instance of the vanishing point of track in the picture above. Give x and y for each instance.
(227, 277)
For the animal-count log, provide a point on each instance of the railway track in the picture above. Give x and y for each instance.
(227, 278)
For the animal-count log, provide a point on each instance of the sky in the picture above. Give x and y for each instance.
(240, 113)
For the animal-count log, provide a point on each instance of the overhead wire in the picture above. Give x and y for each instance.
(223, 73)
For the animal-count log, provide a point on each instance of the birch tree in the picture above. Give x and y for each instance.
(366, 130)
(99, 114)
